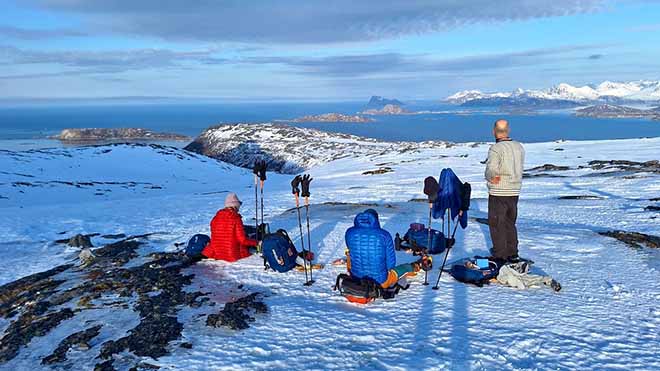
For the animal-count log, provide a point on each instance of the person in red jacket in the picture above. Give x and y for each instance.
(228, 239)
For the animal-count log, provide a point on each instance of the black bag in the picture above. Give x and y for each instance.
(363, 290)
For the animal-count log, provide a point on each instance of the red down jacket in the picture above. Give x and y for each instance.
(228, 240)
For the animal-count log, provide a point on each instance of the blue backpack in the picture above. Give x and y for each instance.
(420, 238)
(278, 251)
(196, 244)
(468, 271)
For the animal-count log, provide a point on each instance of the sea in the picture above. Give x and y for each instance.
(28, 126)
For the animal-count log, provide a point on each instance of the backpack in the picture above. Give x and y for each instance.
(278, 251)
(363, 290)
(467, 271)
(420, 238)
(196, 244)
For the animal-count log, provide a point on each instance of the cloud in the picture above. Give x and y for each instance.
(392, 63)
(11, 32)
(310, 21)
(114, 61)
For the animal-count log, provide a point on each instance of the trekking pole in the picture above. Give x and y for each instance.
(428, 246)
(306, 180)
(256, 199)
(444, 261)
(431, 188)
(262, 177)
(296, 193)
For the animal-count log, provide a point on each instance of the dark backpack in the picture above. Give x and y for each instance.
(278, 251)
(363, 290)
(196, 244)
(473, 274)
(420, 238)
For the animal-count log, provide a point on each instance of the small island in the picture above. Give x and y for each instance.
(388, 109)
(333, 117)
(614, 111)
(103, 134)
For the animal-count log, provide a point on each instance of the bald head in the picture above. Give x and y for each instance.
(501, 129)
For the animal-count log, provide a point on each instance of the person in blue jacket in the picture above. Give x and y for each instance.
(371, 252)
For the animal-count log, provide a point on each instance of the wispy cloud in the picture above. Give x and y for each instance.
(310, 21)
(10, 32)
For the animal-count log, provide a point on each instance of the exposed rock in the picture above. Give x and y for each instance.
(80, 240)
(236, 315)
(549, 167)
(113, 236)
(614, 111)
(101, 134)
(634, 239)
(377, 102)
(626, 166)
(382, 170)
(388, 109)
(652, 208)
(580, 197)
(79, 339)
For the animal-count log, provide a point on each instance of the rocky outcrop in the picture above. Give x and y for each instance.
(290, 150)
(614, 111)
(104, 134)
(237, 314)
(154, 287)
(333, 117)
(378, 102)
(634, 239)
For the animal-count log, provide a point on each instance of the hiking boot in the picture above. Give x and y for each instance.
(425, 263)
(555, 285)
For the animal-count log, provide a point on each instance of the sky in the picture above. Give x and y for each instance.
(319, 49)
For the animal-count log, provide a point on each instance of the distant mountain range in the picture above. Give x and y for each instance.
(564, 95)
(611, 111)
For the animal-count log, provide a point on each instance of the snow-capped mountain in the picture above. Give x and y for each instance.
(607, 91)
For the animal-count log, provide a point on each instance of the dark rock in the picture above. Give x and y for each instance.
(652, 208)
(32, 323)
(104, 366)
(30, 289)
(634, 239)
(549, 167)
(382, 170)
(655, 199)
(580, 197)
(186, 345)
(114, 236)
(78, 338)
(80, 240)
(236, 315)
(627, 166)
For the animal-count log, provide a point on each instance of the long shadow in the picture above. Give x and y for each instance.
(460, 334)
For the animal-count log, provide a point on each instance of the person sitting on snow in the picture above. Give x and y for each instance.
(371, 252)
(228, 239)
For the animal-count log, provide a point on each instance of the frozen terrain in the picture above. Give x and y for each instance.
(606, 317)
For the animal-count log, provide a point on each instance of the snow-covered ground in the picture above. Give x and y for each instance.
(606, 317)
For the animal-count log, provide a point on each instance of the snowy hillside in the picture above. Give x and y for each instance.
(645, 91)
(290, 149)
(146, 311)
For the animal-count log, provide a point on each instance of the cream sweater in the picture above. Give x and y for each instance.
(505, 159)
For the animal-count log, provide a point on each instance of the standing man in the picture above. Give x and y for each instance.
(504, 170)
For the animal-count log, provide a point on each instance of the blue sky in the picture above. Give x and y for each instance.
(320, 49)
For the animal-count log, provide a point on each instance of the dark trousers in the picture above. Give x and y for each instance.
(502, 215)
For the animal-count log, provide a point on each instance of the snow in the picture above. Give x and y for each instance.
(648, 91)
(606, 316)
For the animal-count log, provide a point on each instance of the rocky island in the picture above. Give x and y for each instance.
(614, 111)
(388, 109)
(105, 134)
(333, 117)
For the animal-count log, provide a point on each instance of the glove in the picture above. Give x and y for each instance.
(256, 168)
(306, 179)
(294, 185)
(262, 170)
(451, 242)
(465, 196)
(431, 188)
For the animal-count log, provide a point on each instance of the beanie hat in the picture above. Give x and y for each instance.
(232, 200)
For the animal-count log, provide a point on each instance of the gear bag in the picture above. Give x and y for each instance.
(363, 290)
(279, 252)
(468, 271)
(420, 238)
(196, 244)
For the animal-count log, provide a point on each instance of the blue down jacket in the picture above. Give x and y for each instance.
(370, 248)
(450, 196)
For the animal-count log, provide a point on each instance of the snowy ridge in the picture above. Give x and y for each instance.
(623, 91)
(290, 149)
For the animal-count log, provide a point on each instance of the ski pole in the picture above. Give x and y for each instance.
(302, 238)
(444, 261)
(256, 200)
(309, 243)
(306, 180)
(428, 246)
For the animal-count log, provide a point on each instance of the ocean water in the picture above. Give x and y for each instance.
(29, 126)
